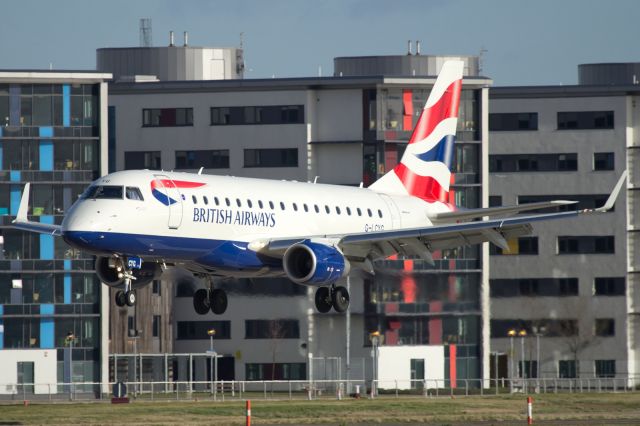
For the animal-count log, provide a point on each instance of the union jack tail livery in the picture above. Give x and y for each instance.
(425, 168)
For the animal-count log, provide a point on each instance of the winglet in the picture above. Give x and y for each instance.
(24, 205)
(614, 195)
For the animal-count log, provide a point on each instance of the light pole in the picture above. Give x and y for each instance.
(538, 331)
(375, 340)
(214, 364)
(69, 341)
(511, 333)
(522, 333)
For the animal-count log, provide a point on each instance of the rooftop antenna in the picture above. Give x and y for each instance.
(242, 40)
(481, 60)
(146, 39)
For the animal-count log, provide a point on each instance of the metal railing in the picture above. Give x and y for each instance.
(306, 390)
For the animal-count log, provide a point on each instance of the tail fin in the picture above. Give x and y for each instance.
(425, 168)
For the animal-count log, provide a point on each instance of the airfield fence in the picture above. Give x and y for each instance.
(306, 390)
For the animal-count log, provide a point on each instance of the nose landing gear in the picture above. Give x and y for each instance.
(336, 297)
(128, 296)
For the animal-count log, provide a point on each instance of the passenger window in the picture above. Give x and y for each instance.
(295, 207)
(359, 211)
(216, 201)
(260, 204)
(238, 202)
(206, 200)
(226, 200)
(134, 193)
(369, 212)
(306, 208)
(281, 205)
(194, 199)
(315, 206)
(271, 205)
(249, 203)
(337, 209)
(326, 208)
(380, 213)
(348, 211)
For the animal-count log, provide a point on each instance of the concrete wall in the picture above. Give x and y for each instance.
(394, 364)
(45, 369)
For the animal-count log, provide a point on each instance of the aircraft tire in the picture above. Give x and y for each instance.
(218, 301)
(340, 299)
(323, 300)
(120, 299)
(130, 297)
(201, 301)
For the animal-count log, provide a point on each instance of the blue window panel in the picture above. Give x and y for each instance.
(46, 327)
(46, 241)
(0, 132)
(67, 288)
(46, 132)
(46, 155)
(14, 175)
(16, 194)
(67, 264)
(66, 105)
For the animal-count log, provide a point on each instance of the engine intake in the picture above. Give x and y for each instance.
(314, 263)
(109, 268)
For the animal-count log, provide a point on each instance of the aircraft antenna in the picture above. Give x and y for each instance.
(200, 171)
(315, 180)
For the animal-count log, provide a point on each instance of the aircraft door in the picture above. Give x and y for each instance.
(172, 198)
(393, 210)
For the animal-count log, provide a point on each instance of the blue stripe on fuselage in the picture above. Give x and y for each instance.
(207, 252)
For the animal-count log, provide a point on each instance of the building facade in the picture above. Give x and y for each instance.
(572, 286)
(53, 125)
(341, 130)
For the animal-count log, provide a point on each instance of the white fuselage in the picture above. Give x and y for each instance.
(209, 220)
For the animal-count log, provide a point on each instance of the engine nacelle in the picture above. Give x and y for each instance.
(109, 270)
(314, 263)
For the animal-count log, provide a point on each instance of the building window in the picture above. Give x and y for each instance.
(495, 200)
(553, 327)
(522, 245)
(271, 157)
(269, 114)
(156, 326)
(605, 327)
(544, 287)
(605, 368)
(603, 161)
(167, 117)
(276, 371)
(586, 244)
(513, 121)
(157, 288)
(510, 163)
(567, 369)
(609, 286)
(209, 159)
(585, 120)
(198, 330)
(272, 329)
(530, 369)
(136, 160)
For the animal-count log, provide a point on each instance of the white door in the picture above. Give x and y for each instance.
(393, 209)
(174, 200)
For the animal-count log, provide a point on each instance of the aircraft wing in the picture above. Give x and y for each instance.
(22, 222)
(464, 215)
(422, 241)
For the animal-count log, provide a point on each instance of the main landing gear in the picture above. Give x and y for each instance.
(211, 298)
(336, 297)
(128, 296)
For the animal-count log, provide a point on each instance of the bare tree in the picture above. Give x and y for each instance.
(276, 333)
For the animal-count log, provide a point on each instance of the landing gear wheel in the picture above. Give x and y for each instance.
(340, 299)
(130, 297)
(218, 301)
(120, 299)
(323, 300)
(201, 301)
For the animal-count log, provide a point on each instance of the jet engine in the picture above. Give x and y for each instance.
(110, 269)
(314, 263)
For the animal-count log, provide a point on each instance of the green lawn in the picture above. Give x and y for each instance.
(618, 406)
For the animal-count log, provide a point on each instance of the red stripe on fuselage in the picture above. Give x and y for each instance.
(446, 107)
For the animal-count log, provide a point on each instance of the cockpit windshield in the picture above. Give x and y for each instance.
(103, 191)
(134, 193)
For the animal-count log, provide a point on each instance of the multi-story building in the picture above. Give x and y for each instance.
(572, 285)
(53, 125)
(347, 129)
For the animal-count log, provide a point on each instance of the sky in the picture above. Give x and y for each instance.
(525, 42)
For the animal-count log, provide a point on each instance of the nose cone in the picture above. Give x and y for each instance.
(81, 227)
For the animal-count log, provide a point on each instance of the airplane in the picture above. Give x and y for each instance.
(138, 222)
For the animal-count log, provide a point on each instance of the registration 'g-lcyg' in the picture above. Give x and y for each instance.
(137, 222)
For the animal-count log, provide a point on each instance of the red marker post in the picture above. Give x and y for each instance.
(529, 410)
(248, 412)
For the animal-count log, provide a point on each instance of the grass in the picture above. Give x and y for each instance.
(550, 407)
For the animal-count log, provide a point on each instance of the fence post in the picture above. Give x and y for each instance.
(264, 389)
(396, 388)
(466, 387)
